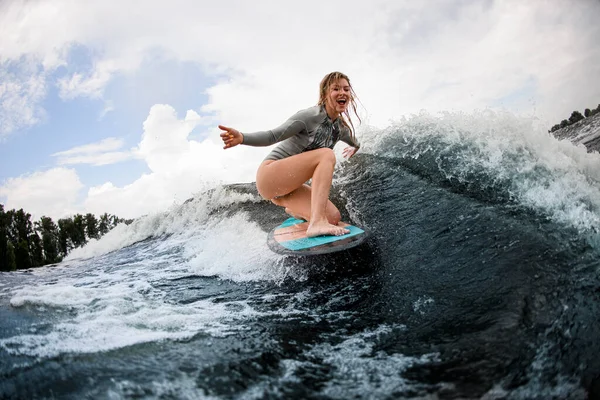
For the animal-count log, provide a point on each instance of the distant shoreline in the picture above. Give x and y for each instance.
(585, 131)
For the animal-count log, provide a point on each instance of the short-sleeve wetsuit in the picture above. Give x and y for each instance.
(306, 130)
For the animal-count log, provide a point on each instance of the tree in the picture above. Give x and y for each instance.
(20, 232)
(114, 221)
(91, 226)
(575, 117)
(65, 243)
(11, 262)
(49, 231)
(36, 250)
(104, 225)
(555, 128)
(22, 225)
(78, 231)
(22, 258)
(3, 241)
(26, 245)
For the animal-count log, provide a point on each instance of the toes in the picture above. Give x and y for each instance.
(342, 232)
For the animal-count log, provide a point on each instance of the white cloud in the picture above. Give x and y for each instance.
(22, 88)
(164, 142)
(95, 159)
(78, 85)
(404, 56)
(52, 193)
(34, 29)
(180, 167)
(108, 107)
(99, 153)
(268, 57)
(108, 144)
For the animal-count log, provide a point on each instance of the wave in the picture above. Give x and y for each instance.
(493, 157)
(184, 220)
(477, 281)
(499, 157)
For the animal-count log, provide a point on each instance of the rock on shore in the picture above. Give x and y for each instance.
(586, 131)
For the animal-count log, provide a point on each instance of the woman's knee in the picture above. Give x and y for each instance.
(264, 191)
(326, 154)
(262, 186)
(261, 191)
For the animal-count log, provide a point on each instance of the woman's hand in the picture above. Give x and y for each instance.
(349, 151)
(231, 137)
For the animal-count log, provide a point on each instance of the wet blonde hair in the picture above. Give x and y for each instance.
(329, 80)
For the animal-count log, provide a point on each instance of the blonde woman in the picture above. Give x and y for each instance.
(305, 152)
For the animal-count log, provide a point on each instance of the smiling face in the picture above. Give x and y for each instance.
(338, 97)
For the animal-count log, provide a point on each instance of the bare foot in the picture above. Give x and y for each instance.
(324, 228)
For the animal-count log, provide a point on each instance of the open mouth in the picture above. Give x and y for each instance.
(342, 102)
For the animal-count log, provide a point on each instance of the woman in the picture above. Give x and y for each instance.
(306, 152)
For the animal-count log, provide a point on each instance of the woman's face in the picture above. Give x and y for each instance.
(338, 96)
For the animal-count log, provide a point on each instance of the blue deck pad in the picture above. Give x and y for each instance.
(305, 243)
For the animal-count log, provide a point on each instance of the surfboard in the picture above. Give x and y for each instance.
(290, 238)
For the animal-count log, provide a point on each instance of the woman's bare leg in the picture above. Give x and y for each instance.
(282, 177)
(297, 204)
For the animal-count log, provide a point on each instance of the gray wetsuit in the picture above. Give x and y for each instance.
(306, 130)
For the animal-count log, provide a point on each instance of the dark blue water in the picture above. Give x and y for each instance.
(480, 280)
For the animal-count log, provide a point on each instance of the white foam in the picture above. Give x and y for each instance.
(422, 304)
(234, 248)
(125, 324)
(55, 296)
(361, 372)
(507, 152)
(181, 387)
(187, 218)
(118, 299)
(358, 370)
(117, 309)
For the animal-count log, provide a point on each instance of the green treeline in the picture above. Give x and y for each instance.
(24, 244)
(576, 116)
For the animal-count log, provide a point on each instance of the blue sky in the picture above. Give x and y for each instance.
(77, 122)
(143, 87)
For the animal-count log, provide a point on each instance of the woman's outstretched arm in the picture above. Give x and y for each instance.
(232, 137)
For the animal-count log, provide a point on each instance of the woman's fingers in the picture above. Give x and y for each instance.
(349, 151)
(229, 132)
(229, 136)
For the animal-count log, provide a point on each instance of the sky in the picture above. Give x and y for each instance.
(113, 106)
